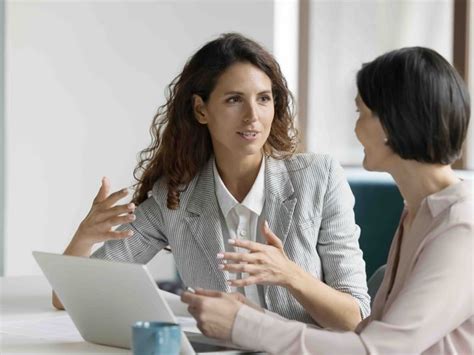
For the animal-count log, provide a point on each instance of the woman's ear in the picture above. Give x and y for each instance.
(199, 109)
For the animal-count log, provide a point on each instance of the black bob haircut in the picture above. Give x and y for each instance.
(421, 101)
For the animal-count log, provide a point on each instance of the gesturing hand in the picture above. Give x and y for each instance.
(104, 216)
(265, 264)
(214, 311)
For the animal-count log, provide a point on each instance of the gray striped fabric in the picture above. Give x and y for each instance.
(308, 204)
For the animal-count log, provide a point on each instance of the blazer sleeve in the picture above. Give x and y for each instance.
(338, 243)
(148, 238)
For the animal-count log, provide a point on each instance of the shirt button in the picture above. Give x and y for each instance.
(242, 233)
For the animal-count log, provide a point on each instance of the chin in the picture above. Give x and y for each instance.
(365, 165)
(252, 149)
(368, 165)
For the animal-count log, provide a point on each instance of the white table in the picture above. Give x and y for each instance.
(28, 322)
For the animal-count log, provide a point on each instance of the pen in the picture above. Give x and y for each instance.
(190, 289)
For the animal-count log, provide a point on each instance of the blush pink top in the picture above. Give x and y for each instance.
(425, 304)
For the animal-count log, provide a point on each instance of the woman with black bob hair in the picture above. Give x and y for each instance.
(221, 180)
(421, 103)
(413, 117)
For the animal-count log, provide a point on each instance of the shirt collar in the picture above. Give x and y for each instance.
(254, 200)
(443, 199)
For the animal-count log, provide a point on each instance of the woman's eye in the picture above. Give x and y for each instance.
(265, 98)
(233, 99)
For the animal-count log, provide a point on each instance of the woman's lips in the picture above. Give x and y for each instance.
(248, 135)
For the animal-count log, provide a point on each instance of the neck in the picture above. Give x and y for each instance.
(238, 173)
(417, 180)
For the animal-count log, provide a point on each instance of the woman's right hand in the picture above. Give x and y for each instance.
(99, 224)
(103, 217)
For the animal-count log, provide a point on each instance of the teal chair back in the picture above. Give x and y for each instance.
(377, 211)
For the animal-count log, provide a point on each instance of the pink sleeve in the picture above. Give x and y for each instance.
(274, 315)
(435, 300)
(275, 335)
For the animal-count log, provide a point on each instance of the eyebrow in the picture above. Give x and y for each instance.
(241, 93)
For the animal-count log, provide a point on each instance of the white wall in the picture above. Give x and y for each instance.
(285, 40)
(345, 34)
(83, 81)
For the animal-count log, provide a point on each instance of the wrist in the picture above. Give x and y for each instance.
(79, 247)
(294, 278)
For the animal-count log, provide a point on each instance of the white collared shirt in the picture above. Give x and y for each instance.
(243, 221)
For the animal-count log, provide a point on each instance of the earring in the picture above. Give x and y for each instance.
(385, 141)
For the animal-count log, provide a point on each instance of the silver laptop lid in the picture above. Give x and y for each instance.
(104, 298)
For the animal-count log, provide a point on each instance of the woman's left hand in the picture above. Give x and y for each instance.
(264, 264)
(214, 311)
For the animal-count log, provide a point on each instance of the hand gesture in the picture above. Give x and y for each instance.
(264, 264)
(104, 215)
(214, 311)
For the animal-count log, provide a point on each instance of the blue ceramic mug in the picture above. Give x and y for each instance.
(156, 338)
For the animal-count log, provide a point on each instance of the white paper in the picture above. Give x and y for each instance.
(60, 328)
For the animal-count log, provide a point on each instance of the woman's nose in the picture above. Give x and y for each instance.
(251, 113)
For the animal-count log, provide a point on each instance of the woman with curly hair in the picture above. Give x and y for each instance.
(220, 176)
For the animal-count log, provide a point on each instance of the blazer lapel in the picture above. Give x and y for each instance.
(204, 221)
(280, 201)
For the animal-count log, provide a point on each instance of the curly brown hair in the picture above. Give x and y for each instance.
(181, 146)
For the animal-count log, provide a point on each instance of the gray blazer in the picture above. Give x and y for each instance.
(308, 204)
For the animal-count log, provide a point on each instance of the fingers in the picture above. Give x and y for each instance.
(103, 216)
(270, 237)
(114, 198)
(118, 220)
(192, 299)
(103, 191)
(247, 244)
(210, 293)
(236, 268)
(188, 297)
(118, 234)
(104, 198)
(195, 299)
(239, 257)
(251, 280)
(116, 211)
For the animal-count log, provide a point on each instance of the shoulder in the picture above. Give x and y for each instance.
(309, 162)
(460, 217)
(159, 193)
(451, 242)
(313, 177)
(454, 229)
(459, 200)
(463, 210)
(319, 169)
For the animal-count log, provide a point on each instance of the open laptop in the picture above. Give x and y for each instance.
(104, 298)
